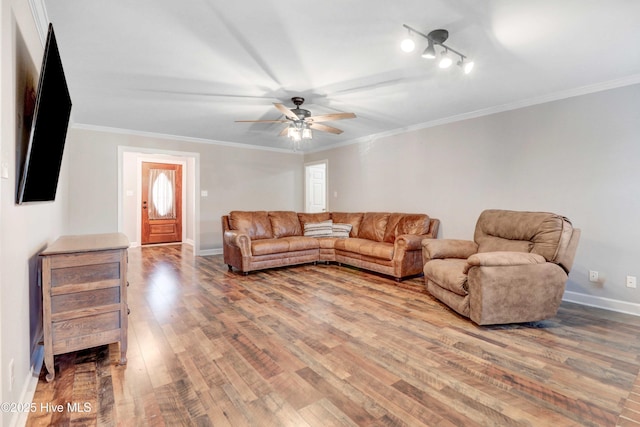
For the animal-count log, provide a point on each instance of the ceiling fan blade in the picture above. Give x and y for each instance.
(286, 111)
(261, 121)
(325, 128)
(284, 131)
(330, 117)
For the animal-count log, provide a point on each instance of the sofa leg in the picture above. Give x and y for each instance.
(245, 273)
(315, 262)
(326, 263)
(230, 268)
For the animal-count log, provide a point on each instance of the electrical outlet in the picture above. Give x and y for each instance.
(631, 281)
(593, 276)
(12, 376)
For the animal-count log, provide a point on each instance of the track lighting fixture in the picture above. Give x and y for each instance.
(436, 37)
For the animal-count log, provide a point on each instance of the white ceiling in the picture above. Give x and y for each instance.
(190, 68)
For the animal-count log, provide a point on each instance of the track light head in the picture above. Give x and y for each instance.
(429, 52)
(408, 45)
(445, 60)
(467, 66)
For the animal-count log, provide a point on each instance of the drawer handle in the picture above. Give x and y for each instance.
(128, 311)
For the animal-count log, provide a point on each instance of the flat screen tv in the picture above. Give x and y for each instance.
(41, 169)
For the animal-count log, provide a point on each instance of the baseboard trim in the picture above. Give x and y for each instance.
(604, 303)
(30, 384)
(208, 252)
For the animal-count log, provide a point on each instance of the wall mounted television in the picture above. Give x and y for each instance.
(41, 169)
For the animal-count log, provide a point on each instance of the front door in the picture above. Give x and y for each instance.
(161, 203)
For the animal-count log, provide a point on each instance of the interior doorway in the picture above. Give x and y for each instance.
(161, 209)
(316, 187)
(130, 161)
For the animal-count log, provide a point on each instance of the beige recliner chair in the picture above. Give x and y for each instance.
(514, 271)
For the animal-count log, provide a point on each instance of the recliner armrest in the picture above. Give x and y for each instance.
(447, 248)
(239, 240)
(502, 259)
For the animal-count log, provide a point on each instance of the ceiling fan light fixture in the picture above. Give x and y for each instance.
(306, 133)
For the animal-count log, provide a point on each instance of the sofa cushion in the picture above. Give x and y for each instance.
(399, 224)
(413, 224)
(382, 250)
(319, 229)
(341, 230)
(359, 246)
(285, 223)
(392, 224)
(448, 274)
(256, 224)
(348, 218)
(373, 226)
(313, 217)
(282, 245)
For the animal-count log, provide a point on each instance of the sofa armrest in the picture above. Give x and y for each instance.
(239, 240)
(410, 242)
(447, 248)
(503, 258)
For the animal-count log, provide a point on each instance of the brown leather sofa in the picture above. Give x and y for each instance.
(514, 271)
(388, 243)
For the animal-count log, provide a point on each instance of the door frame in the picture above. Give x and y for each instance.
(324, 162)
(190, 173)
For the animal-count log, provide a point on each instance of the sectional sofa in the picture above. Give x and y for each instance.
(384, 242)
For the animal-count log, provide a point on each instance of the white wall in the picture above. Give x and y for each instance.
(577, 157)
(235, 178)
(25, 229)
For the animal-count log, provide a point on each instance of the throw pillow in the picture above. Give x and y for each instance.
(341, 230)
(318, 229)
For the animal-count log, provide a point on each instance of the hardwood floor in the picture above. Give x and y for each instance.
(334, 346)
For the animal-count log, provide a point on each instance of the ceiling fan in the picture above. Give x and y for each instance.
(301, 121)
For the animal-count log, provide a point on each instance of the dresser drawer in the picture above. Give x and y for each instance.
(87, 325)
(82, 300)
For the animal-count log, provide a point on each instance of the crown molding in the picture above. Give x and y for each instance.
(107, 129)
(556, 96)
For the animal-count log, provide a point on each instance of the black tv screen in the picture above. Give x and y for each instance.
(41, 170)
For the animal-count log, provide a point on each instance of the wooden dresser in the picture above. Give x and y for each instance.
(84, 291)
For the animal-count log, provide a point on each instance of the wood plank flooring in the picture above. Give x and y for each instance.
(333, 346)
